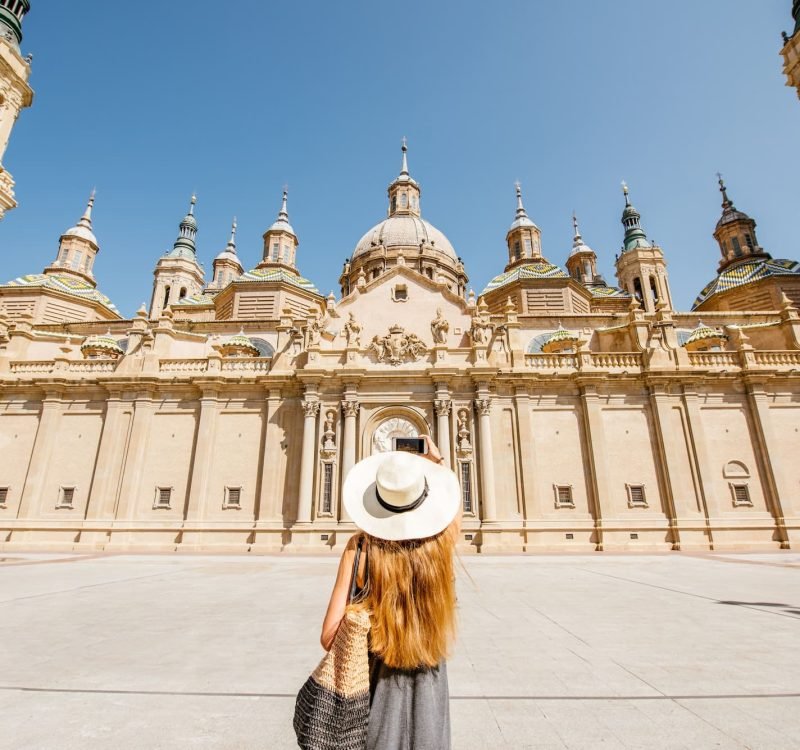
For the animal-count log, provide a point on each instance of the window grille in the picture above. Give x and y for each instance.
(741, 494)
(233, 497)
(466, 487)
(327, 488)
(3, 495)
(563, 494)
(66, 497)
(636, 496)
(163, 496)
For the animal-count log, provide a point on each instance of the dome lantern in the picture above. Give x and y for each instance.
(524, 238)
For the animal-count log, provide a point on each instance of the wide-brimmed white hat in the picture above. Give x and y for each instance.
(398, 495)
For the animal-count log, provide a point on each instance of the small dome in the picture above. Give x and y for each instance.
(731, 215)
(703, 333)
(281, 225)
(404, 231)
(522, 221)
(537, 270)
(83, 232)
(239, 346)
(101, 345)
(559, 340)
(229, 255)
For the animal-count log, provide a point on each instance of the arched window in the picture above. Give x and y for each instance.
(77, 257)
(376, 272)
(737, 248)
(403, 200)
(275, 250)
(637, 289)
(429, 272)
(516, 250)
(654, 288)
(587, 269)
(183, 293)
(166, 296)
(394, 203)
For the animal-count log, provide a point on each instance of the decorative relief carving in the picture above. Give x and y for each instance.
(311, 408)
(398, 346)
(483, 406)
(392, 428)
(350, 408)
(328, 450)
(313, 331)
(482, 327)
(464, 439)
(442, 406)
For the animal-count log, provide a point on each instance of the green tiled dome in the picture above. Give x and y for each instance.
(538, 270)
(66, 284)
(747, 272)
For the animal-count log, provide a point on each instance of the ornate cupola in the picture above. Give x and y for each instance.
(736, 233)
(77, 248)
(15, 93)
(524, 238)
(280, 242)
(178, 273)
(11, 14)
(582, 261)
(404, 192)
(227, 265)
(641, 268)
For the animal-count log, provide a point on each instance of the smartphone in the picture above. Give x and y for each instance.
(410, 445)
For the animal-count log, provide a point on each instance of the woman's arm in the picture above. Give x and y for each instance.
(338, 601)
(435, 455)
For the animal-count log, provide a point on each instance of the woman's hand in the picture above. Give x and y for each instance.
(433, 454)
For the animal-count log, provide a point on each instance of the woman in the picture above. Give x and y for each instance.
(407, 508)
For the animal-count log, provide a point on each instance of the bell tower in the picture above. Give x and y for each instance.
(641, 268)
(736, 233)
(15, 93)
(524, 238)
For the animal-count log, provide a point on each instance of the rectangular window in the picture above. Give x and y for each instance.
(636, 496)
(466, 486)
(737, 248)
(563, 493)
(528, 247)
(275, 250)
(400, 293)
(3, 496)
(741, 494)
(233, 497)
(516, 250)
(749, 241)
(327, 489)
(163, 496)
(76, 260)
(66, 496)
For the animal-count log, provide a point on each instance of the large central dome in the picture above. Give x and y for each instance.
(404, 237)
(404, 231)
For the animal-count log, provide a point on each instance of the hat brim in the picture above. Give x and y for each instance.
(432, 516)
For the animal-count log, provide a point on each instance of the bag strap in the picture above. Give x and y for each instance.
(354, 582)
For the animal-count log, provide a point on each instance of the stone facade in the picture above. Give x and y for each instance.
(577, 415)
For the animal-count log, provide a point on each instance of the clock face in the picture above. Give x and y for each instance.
(392, 428)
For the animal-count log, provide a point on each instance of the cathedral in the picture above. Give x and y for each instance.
(578, 415)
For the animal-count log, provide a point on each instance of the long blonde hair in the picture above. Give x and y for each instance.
(411, 597)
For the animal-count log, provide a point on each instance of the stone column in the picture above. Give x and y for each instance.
(772, 470)
(267, 509)
(443, 406)
(530, 496)
(32, 492)
(350, 407)
(203, 456)
(307, 460)
(595, 437)
(483, 406)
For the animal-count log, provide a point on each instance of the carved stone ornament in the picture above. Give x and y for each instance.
(328, 433)
(311, 408)
(464, 442)
(483, 406)
(352, 331)
(398, 346)
(442, 406)
(350, 408)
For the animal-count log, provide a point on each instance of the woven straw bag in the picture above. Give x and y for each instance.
(332, 707)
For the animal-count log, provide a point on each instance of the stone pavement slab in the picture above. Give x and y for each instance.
(592, 651)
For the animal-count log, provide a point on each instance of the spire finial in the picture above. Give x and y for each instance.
(232, 241)
(520, 207)
(404, 149)
(625, 193)
(575, 225)
(284, 213)
(191, 204)
(726, 202)
(86, 219)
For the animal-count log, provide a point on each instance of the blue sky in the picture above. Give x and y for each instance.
(150, 101)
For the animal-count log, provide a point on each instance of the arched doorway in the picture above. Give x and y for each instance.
(391, 422)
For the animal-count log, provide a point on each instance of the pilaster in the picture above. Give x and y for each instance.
(595, 438)
(483, 408)
(310, 405)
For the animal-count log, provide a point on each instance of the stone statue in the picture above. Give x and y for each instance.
(482, 327)
(313, 331)
(439, 328)
(352, 330)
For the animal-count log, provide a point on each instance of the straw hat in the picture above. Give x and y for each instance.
(399, 495)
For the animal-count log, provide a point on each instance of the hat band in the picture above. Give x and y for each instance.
(401, 508)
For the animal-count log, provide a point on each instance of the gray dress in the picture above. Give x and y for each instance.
(409, 710)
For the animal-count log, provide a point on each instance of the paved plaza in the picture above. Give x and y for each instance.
(579, 652)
